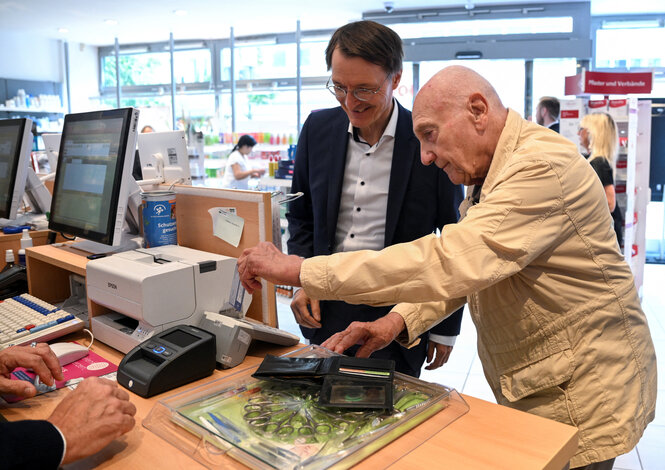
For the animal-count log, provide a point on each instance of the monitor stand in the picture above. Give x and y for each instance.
(127, 242)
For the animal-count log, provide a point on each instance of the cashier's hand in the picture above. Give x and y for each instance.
(372, 336)
(267, 262)
(299, 306)
(91, 416)
(442, 355)
(40, 359)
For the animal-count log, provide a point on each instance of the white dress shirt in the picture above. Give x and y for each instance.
(361, 222)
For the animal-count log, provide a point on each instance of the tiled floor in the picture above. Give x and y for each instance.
(464, 371)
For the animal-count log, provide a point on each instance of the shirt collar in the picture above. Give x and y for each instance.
(389, 131)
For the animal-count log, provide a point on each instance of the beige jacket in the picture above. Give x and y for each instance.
(561, 333)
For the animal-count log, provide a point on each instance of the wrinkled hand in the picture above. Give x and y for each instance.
(266, 261)
(371, 335)
(442, 355)
(91, 416)
(303, 316)
(40, 359)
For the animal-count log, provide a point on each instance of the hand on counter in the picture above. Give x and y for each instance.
(372, 336)
(90, 417)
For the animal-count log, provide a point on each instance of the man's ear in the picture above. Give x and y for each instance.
(479, 109)
(396, 79)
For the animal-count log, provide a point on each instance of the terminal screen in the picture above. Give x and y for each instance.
(88, 161)
(10, 136)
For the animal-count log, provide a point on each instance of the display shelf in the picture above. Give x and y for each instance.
(32, 110)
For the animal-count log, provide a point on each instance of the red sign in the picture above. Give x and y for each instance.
(606, 83)
(596, 104)
(569, 114)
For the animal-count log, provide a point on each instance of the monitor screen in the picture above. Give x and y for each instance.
(15, 149)
(95, 160)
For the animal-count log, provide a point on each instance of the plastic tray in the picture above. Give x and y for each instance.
(268, 424)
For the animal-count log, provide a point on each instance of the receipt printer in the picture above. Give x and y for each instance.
(168, 360)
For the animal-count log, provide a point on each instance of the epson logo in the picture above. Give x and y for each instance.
(112, 286)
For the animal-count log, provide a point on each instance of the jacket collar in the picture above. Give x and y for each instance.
(504, 150)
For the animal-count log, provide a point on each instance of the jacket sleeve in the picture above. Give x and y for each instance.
(30, 444)
(515, 223)
(300, 214)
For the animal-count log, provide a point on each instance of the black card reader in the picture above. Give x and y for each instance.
(168, 360)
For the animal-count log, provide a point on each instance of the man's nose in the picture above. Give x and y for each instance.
(427, 157)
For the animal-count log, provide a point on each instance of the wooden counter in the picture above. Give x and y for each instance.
(489, 436)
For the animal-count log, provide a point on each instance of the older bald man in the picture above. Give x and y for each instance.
(561, 333)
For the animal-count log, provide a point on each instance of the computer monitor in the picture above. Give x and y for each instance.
(15, 148)
(93, 183)
(17, 178)
(164, 157)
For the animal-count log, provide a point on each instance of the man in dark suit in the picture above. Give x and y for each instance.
(547, 112)
(364, 186)
(84, 422)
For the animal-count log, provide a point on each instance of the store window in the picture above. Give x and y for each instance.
(549, 78)
(630, 48)
(264, 61)
(154, 68)
(313, 59)
(266, 111)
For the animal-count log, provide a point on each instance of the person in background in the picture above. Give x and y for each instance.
(147, 129)
(238, 169)
(364, 186)
(83, 423)
(598, 135)
(547, 112)
(561, 333)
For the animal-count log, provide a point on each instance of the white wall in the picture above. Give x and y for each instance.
(29, 57)
(83, 77)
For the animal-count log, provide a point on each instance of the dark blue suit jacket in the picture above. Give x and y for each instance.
(30, 445)
(420, 199)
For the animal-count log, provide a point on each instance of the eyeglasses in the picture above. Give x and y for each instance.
(361, 94)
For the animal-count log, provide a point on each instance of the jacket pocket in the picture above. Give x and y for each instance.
(547, 372)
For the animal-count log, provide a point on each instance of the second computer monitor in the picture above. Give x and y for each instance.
(15, 149)
(165, 152)
(94, 175)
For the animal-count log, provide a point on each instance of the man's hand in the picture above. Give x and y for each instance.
(266, 261)
(91, 416)
(40, 359)
(371, 335)
(299, 306)
(442, 355)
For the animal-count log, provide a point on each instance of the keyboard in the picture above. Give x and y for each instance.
(25, 318)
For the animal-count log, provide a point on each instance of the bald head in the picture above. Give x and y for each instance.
(452, 87)
(458, 118)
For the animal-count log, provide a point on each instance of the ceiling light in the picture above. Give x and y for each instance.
(180, 12)
(63, 30)
(632, 24)
(111, 22)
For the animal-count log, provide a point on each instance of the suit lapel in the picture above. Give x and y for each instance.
(400, 172)
(336, 152)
